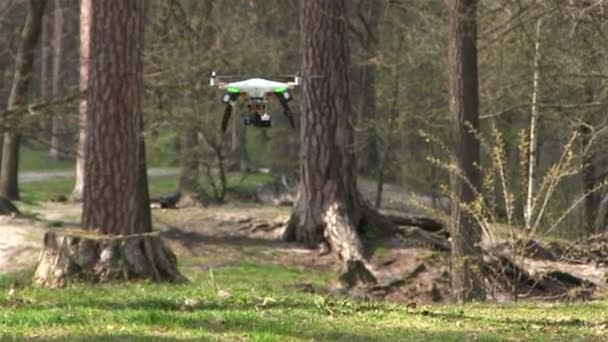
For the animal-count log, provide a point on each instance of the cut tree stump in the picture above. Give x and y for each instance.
(81, 255)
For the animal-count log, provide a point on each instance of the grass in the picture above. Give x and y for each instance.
(36, 160)
(240, 186)
(256, 302)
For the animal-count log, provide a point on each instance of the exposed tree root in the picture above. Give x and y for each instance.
(76, 255)
(7, 207)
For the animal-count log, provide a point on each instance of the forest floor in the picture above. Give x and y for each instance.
(248, 285)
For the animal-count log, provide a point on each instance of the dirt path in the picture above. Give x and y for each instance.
(37, 176)
(20, 243)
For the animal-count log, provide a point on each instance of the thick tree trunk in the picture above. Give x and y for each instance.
(329, 207)
(113, 152)
(85, 38)
(464, 115)
(9, 186)
(60, 133)
(116, 200)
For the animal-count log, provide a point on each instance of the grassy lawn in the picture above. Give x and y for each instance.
(239, 186)
(256, 302)
(255, 299)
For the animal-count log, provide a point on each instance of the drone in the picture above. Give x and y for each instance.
(256, 92)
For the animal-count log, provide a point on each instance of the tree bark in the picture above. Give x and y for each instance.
(85, 41)
(329, 208)
(60, 132)
(9, 186)
(113, 117)
(118, 242)
(466, 180)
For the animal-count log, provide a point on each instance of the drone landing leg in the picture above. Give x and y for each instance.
(286, 110)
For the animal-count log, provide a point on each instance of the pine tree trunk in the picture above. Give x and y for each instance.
(118, 242)
(464, 115)
(9, 186)
(329, 207)
(85, 38)
(59, 132)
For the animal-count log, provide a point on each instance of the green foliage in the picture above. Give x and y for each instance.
(256, 302)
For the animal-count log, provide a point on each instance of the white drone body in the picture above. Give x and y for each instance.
(255, 91)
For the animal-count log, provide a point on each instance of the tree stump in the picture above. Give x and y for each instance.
(81, 255)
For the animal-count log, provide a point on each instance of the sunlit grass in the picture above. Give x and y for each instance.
(257, 302)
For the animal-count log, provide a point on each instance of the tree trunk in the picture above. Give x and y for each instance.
(60, 134)
(370, 153)
(85, 38)
(529, 209)
(238, 148)
(189, 187)
(46, 61)
(329, 207)
(115, 201)
(464, 115)
(9, 186)
(113, 152)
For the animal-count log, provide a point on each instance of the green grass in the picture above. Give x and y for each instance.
(264, 307)
(240, 186)
(38, 160)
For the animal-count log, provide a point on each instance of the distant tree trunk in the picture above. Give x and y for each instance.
(370, 154)
(593, 198)
(9, 186)
(238, 148)
(46, 62)
(464, 115)
(59, 132)
(329, 207)
(532, 156)
(85, 41)
(189, 187)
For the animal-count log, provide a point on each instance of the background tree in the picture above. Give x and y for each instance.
(24, 60)
(85, 51)
(465, 180)
(60, 139)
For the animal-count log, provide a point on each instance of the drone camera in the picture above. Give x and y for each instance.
(258, 120)
(226, 98)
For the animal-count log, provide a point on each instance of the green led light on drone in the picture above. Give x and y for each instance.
(233, 90)
(280, 89)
